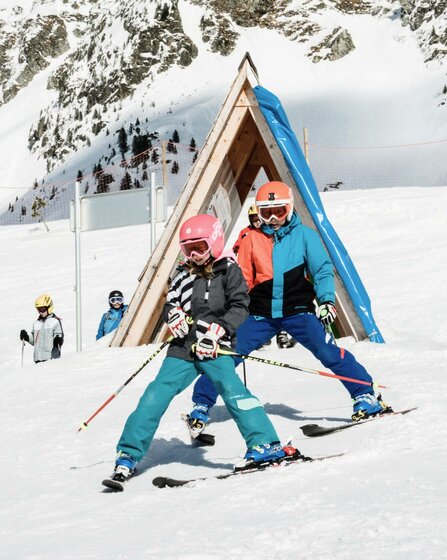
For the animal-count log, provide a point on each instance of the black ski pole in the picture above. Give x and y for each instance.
(85, 424)
(245, 375)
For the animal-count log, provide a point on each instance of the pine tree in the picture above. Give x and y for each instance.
(155, 156)
(174, 168)
(192, 145)
(37, 210)
(126, 182)
(175, 137)
(79, 176)
(122, 142)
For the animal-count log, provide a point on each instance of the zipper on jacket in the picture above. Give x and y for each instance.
(207, 291)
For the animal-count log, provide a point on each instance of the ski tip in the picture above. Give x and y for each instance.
(113, 485)
(309, 428)
(204, 440)
(159, 482)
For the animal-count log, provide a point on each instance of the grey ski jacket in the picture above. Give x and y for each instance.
(222, 299)
(42, 338)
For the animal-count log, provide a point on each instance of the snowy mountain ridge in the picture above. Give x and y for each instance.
(85, 69)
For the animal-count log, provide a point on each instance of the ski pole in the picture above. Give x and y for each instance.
(245, 374)
(23, 351)
(85, 424)
(297, 368)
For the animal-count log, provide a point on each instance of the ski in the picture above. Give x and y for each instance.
(116, 482)
(314, 430)
(167, 482)
(198, 439)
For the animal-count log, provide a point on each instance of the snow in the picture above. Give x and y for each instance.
(384, 498)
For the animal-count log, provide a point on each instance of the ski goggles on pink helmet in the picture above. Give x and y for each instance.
(195, 248)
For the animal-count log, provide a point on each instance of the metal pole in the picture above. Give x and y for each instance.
(78, 266)
(152, 212)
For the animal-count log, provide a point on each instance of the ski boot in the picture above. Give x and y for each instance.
(283, 340)
(263, 456)
(369, 405)
(124, 470)
(198, 419)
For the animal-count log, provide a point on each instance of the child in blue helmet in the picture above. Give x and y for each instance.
(112, 318)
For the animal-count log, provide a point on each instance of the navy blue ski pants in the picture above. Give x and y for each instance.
(305, 329)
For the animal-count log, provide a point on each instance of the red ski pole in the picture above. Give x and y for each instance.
(297, 368)
(85, 424)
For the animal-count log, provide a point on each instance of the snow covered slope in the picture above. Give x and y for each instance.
(384, 498)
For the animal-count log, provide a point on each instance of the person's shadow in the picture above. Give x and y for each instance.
(219, 413)
(164, 452)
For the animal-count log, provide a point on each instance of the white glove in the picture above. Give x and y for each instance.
(327, 313)
(207, 344)
(178, 322)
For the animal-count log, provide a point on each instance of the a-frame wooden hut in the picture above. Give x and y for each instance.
(238, 146)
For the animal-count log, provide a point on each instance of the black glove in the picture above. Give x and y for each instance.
(24, 335)
(58, 341)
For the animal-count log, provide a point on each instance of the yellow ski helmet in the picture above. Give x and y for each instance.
(252, 211)
(44, 301)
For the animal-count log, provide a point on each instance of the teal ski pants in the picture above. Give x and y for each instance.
(174, 376)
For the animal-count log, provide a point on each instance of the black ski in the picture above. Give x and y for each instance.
(116, 482)
(167, 482)
(198, 439)
(314, 430)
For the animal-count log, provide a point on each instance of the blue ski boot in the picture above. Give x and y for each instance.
(198, 419)
(261, 455)
(369, 405)
(124, 467)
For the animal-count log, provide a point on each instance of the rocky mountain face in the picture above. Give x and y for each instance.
(102, 50)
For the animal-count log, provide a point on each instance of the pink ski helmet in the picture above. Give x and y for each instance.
(200, 237)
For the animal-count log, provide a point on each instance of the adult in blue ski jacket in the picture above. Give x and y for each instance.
(290, 280)
(112, 318)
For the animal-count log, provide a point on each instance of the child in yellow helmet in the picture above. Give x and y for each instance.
(47, 335)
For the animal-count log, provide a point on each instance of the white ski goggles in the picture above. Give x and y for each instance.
(267, 213)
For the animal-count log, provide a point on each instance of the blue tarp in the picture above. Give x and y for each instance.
(285, 137)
